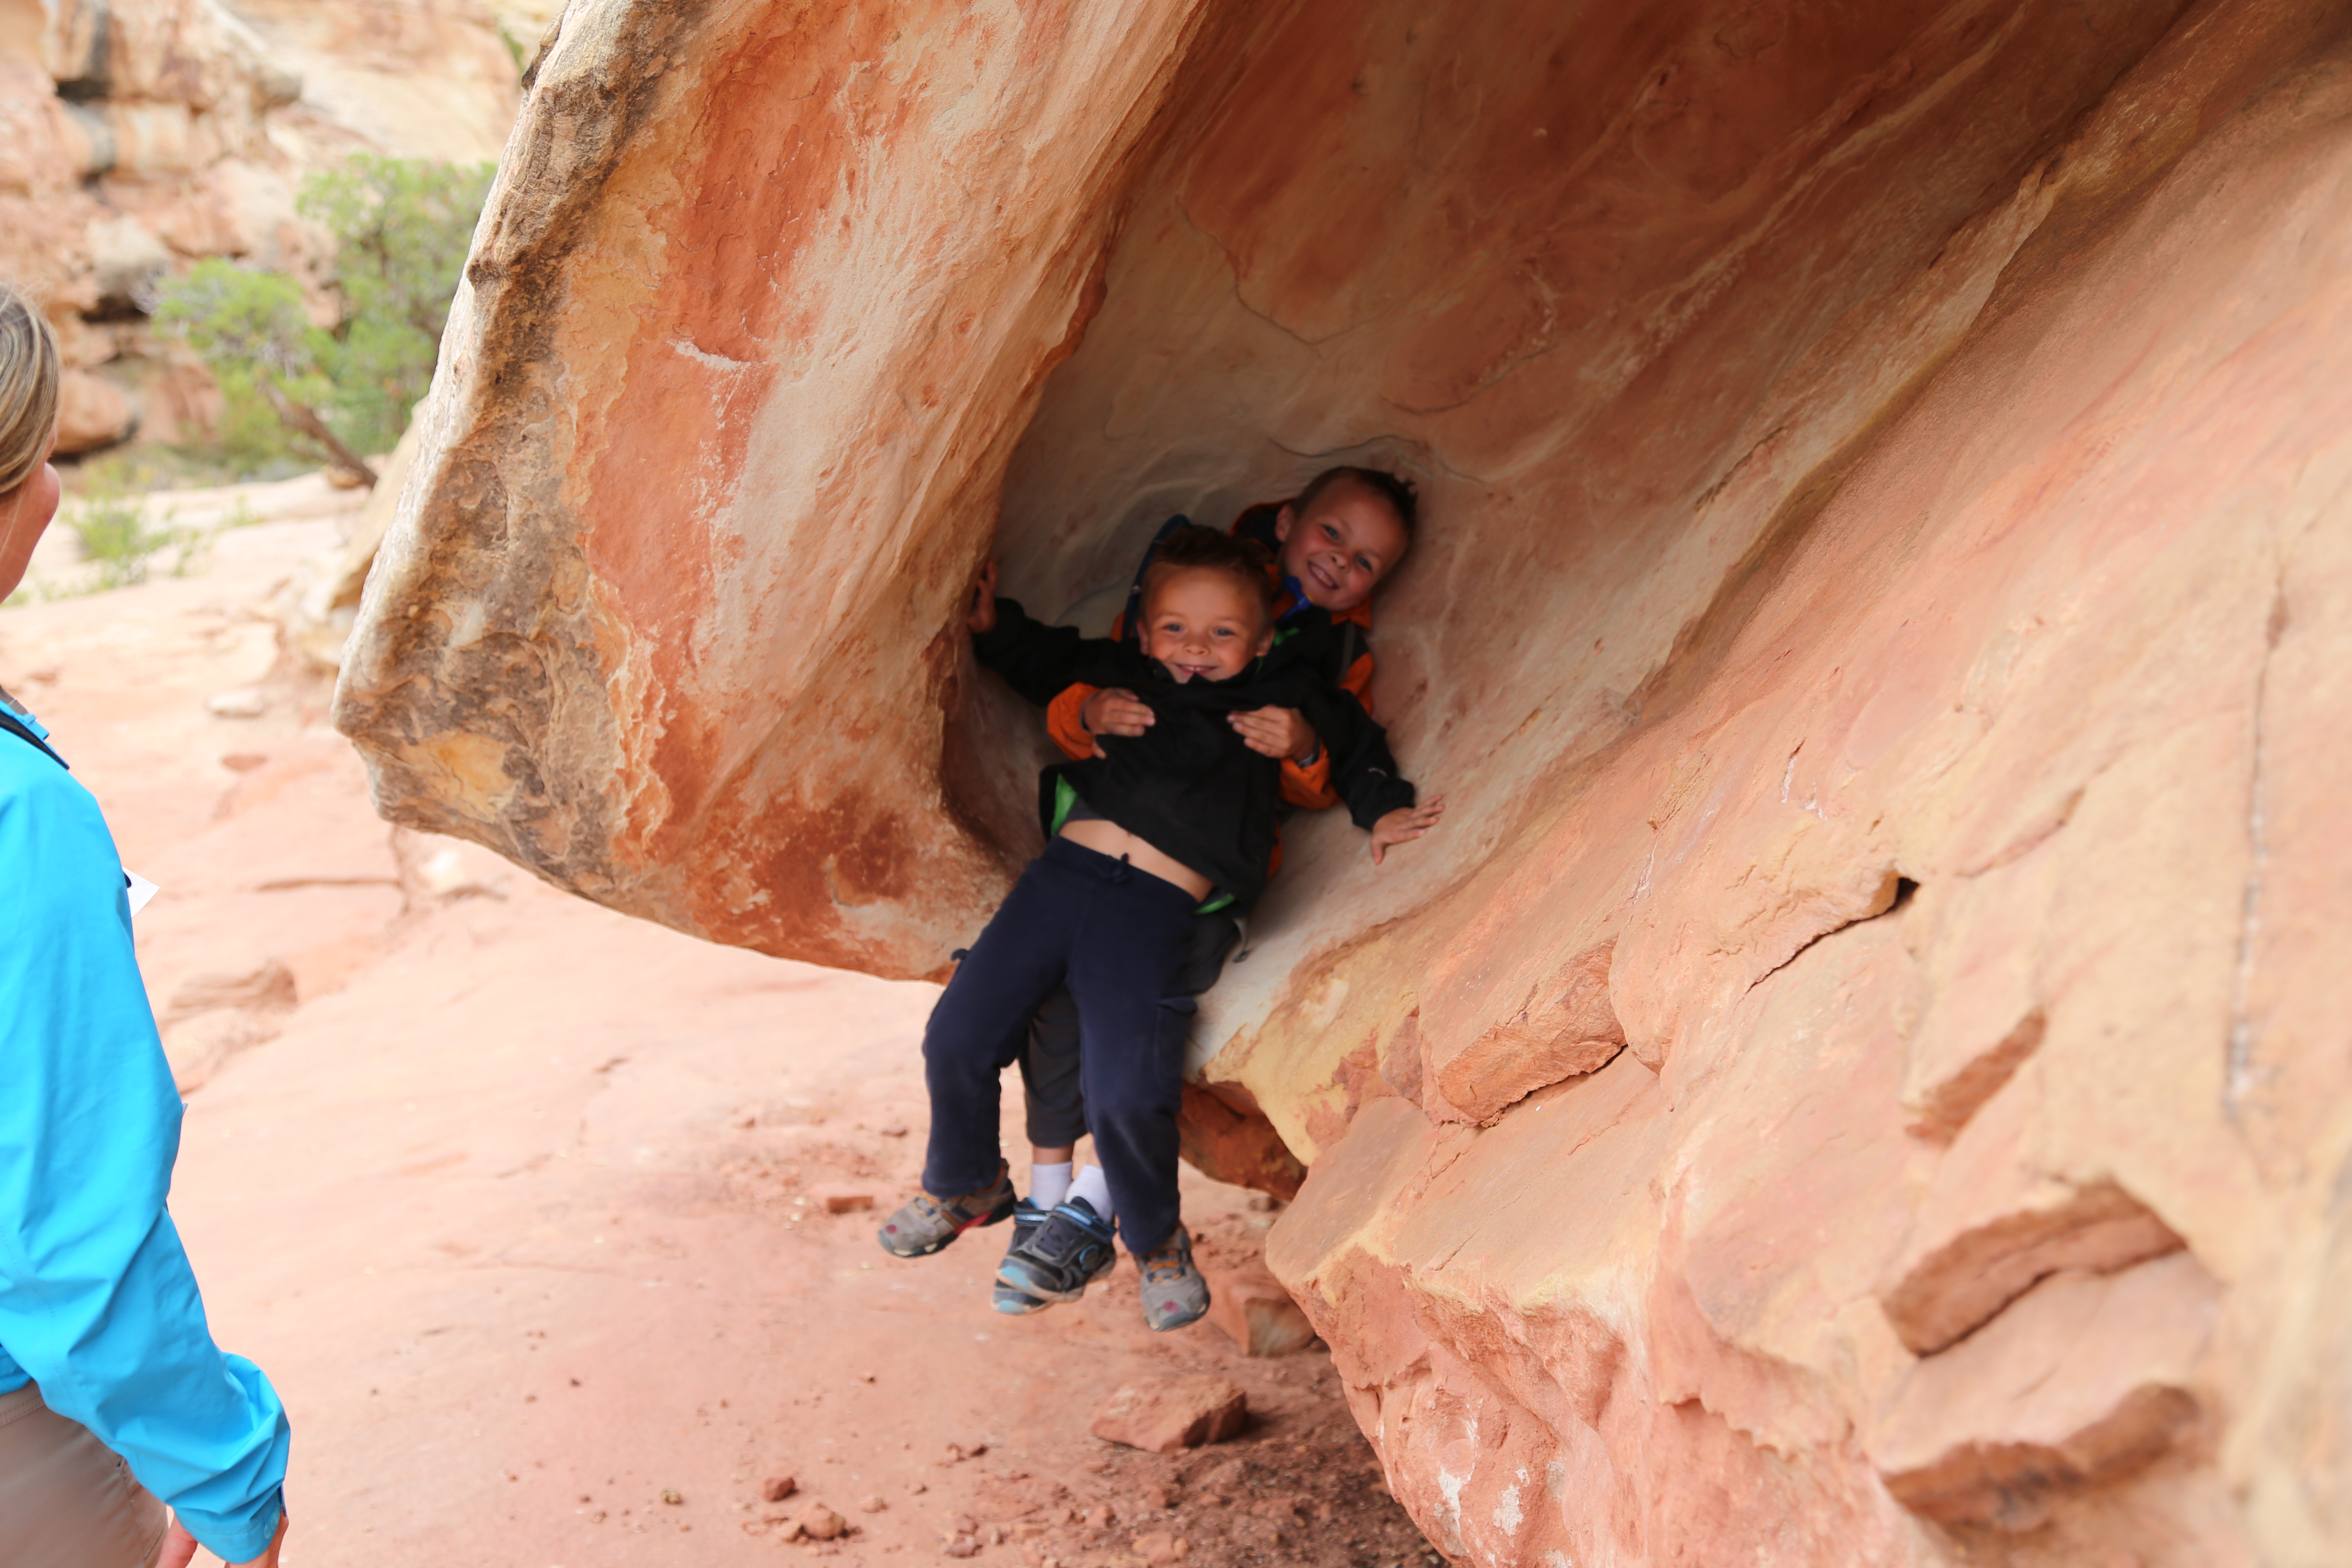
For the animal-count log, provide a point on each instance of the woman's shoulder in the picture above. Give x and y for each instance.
(45, 811)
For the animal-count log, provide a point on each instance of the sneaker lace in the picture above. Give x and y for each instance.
(1168, 1264)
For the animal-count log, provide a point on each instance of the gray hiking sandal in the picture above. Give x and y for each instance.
(927, 1224)
(1174, 1294)
(1054, 1261)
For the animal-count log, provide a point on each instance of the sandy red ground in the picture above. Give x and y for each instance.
(512, 1205)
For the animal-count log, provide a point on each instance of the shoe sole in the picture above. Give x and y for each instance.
(1016, 1303)
(1164, 1328)
(1011, 1275)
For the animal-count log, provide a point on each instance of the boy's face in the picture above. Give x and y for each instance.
(1204, 626)
(1341, 545)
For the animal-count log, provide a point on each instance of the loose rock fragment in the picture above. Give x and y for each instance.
(820, 1522)
(777, 1487)
(1163, 1416)
(1255, 1312)
(842, 1200)
(1160, 1548)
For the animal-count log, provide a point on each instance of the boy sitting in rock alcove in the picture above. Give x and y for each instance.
(1326, 552)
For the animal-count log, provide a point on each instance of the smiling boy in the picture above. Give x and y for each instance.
(1144, 832)
(1330, 547)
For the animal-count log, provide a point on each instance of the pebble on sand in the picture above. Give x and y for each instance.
(819, 1523)
(777, 1487)
(842, 1200)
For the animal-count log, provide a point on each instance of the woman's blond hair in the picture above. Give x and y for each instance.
(28, 388)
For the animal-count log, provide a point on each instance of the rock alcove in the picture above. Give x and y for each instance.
(1858, 1077)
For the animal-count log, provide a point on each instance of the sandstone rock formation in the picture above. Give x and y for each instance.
(1858, 1077)
(137, 135)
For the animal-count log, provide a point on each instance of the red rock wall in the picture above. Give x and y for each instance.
(1858, 1077)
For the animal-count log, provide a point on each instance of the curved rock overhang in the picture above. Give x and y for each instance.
(1879, 460)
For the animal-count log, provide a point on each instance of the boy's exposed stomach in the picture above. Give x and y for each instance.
(1107, 838)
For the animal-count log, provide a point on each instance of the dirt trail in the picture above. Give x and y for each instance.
(512, 1195)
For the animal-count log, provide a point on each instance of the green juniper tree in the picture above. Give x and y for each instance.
(401, 229)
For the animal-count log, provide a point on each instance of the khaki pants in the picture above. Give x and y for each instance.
(65, 1500)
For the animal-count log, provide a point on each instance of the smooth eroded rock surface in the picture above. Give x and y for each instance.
(1880, 622)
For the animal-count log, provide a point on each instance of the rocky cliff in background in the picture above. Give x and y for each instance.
(1858, 1077)
(139, 135)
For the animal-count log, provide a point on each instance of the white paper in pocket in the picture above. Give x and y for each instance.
(138, 890)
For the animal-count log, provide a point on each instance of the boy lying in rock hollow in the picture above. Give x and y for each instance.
(1332, 546)
(1187, 793)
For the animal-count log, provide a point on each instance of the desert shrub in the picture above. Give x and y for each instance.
(402, 227)
(331, 393)
(119, 537)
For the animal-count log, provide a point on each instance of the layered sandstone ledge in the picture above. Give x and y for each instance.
(1859, 1077)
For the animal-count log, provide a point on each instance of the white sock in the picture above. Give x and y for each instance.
(1095, 1187)
(1049, 1184)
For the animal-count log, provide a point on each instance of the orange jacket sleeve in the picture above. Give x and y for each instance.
(1310, 787)
(1062, 722)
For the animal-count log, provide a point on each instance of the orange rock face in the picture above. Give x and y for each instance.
(1859, 1076)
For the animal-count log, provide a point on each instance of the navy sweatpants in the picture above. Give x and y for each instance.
(1118, 938)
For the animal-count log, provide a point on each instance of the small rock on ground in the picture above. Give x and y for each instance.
(1163, 1416)
(842, 1200)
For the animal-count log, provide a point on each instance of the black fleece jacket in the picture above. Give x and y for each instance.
(1188, 785)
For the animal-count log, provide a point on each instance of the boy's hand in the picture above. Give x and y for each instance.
(1279, 732)
(982, 617)
(1114, 711)
(1405, 823)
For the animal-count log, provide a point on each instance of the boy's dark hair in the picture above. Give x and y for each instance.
(1193, 548)
(1403, 499)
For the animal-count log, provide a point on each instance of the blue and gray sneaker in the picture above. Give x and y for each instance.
(1056, 1260)
(1026, 1217)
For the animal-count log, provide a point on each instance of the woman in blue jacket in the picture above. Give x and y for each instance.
(114, 1401)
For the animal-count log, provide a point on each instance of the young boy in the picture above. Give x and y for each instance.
(1332, 544)
(1144, 834)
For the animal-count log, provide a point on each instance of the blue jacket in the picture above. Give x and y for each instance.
(97, 1304)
